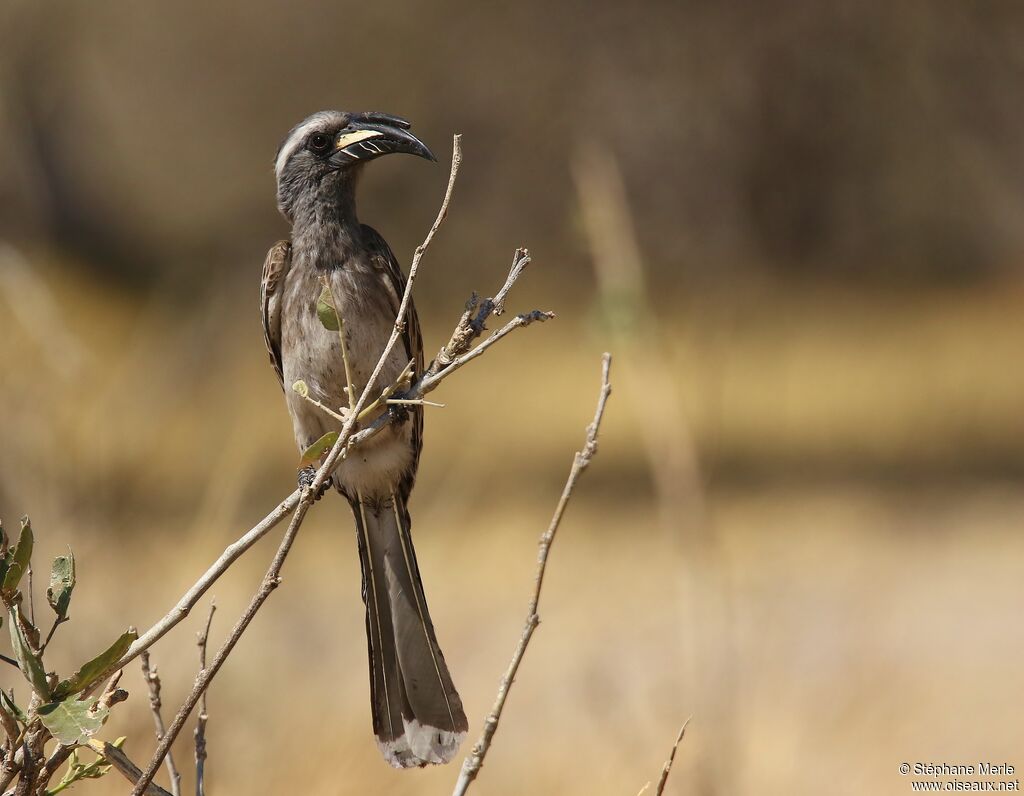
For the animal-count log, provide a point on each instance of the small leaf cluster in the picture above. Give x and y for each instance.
(59, 709)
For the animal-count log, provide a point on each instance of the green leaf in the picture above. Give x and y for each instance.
(30, 664)
(313, 453)
(90, 671)
(62, 583)
(326, 311)
(20, 559)
(72, 721)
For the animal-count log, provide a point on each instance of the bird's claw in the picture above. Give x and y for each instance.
(306, 477)
(397, 413)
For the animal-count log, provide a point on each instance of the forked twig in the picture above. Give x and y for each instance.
(475, 760)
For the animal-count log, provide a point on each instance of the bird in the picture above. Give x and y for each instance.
(417, 714)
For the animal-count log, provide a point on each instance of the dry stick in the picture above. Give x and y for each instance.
(671, 758)
(200, 734)
(471, 766)
(272, 579)
(153, 683)
(123, 764)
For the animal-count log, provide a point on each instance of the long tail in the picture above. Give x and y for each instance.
(417, 714)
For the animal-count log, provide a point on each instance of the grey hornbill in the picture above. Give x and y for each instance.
(417, 714)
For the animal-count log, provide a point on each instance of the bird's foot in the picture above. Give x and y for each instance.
(397, 413)
(306, 477)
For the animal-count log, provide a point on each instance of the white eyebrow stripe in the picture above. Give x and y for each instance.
(294, 142)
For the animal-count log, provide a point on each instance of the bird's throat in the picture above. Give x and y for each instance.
(325, 232)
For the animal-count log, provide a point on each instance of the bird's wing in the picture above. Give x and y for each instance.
(279, 260)
(384, 259)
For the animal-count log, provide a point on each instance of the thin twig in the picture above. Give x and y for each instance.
(120, 761)
(53, 629)
(302, 390)
(431, 380)
(474, 319)
(11, 661)
(200, 733)
(152, 679)
(475, 760)
(671, 758)
(520, 260)
(272, 578)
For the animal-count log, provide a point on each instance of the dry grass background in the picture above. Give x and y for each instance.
(867, 619)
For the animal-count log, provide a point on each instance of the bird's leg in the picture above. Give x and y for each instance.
(306, 477)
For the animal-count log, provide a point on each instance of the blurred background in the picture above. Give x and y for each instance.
(800, 229)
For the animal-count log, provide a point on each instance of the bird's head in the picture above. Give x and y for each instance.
(319, 159)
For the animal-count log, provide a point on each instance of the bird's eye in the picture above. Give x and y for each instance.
(319, 142)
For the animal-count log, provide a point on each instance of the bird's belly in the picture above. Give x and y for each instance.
(312, 353)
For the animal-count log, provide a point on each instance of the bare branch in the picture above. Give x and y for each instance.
(475, 760)
(431, 380)
(112, 695)
(53, 629)
(200, 733)
(474, 319)
(671, 758)
(120, 761)
(152, 679)
(520, 260)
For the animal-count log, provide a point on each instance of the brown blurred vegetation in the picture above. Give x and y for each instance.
(825, 204)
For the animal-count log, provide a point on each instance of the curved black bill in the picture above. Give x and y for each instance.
(370, 135)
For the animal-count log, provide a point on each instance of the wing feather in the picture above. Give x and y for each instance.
(279, 260)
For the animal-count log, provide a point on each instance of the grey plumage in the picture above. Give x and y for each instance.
(417, 714)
